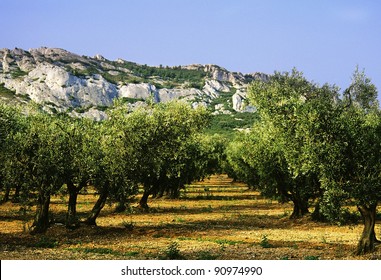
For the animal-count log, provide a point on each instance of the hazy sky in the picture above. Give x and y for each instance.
(323, 39)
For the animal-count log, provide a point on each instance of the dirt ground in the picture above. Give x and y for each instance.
(214, 219)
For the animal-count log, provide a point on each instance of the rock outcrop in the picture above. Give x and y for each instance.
(65, 81)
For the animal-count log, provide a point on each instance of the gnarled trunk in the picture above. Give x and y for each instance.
(71, 216)
(41, 219)
(16, 196)
(300, 208)
(316, 214)
(91, 219)
(143, 201)
(368, 239)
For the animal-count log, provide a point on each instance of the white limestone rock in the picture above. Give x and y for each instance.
(143, 91)
(213, 87)
(165, 95)
(237, 101)
(50, 83)
(239, 104)
(45, 75)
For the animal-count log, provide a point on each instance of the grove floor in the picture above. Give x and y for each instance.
(214, 219)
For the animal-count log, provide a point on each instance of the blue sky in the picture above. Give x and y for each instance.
(323, 39)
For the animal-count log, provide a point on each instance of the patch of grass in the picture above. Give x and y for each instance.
(265, 242)
(285, 214)
(183, 238)
(178, 220)
(324, 240)
(311, 257)
(131, 254)
(227, 242)
(128, 225)
(208, 209)
(159, 235)
(46, 242)
(104, 251)
(206, 255)
(101, 251)
(73, 242)
(172, 252)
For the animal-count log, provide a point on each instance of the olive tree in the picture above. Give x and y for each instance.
(198, 157)
(79, 162)
(331, 147)
(10, 123)
(276, 146)
(350, 160)
(39, 155)
(159, 137)
(113, 161)
(176, 124)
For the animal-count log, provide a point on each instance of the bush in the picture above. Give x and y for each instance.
(265, 242)
(172, 252)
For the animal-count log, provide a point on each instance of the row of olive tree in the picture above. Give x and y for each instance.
(311, 144)
(158, 148)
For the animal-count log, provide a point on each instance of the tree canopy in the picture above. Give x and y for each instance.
(313, 145)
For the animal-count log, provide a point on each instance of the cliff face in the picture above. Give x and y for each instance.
(62, 81)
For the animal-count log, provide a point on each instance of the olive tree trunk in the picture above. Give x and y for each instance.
(71, 216)
(91, 219)
(16, 196)
(368, 238)
(41, 219)
(300, 208)
(143, 203)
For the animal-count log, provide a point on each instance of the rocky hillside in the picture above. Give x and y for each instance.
(62, 81)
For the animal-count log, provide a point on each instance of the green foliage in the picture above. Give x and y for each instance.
(88, 71)
(227, 242)
(265, 242)
(18, 73)
(128, 225)
(130, 100)
(171, 76)
(310, 144)
(238, 165)
(224, 98)
(228, 124)
(313, 258)
(160, 148)
(161, 144)
(361, 92)
(45, 242)
(100, 251)
(274, 155)
(206, 255)
(172, 252)
(5, 92)
(176, 74)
